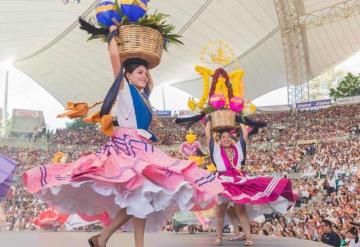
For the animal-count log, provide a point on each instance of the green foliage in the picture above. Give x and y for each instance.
(349, 86)
(209, 109)
(156, 21)
(77, 124)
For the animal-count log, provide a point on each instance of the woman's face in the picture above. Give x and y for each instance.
(226, 140)
(139, 77)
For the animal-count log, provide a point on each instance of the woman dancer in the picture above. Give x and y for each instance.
(228, 152)
(128, 177)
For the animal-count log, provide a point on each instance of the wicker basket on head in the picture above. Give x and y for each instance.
(135, 41)
(223, 119)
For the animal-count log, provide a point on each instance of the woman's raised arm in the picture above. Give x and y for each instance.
(114, 53)
(208, 134)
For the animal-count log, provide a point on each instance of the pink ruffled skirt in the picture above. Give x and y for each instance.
(261, 194)
(127, 172)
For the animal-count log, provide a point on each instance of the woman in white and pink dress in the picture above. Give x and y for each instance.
(128, 177)
(228, 153)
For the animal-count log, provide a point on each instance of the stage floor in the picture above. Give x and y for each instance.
(79, 239)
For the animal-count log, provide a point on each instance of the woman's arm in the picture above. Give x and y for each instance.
(114, 54)
(245, 133)
(208, 133)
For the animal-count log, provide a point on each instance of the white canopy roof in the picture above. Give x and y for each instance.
(44, 39)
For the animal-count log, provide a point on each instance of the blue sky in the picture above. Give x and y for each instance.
(24, 93)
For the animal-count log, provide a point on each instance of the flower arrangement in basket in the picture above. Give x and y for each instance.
(140, 35)
(223, 98)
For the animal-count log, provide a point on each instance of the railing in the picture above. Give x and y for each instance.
(291, 175)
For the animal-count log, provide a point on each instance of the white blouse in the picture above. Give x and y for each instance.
(220, 165)
(124, 108)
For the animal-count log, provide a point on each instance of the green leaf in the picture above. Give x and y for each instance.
(156, 21)
(117, 5)
(349, 86)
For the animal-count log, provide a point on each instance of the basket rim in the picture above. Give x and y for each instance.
(140, 26)
(223, 110)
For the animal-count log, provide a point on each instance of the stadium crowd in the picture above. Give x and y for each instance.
(325, 173)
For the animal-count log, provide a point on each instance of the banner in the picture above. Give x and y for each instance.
(27, 113)
(163, 113)
(186, 113)
(274, 108)
(348, 100)
(313, 104)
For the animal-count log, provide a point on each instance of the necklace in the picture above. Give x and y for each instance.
(230, 154)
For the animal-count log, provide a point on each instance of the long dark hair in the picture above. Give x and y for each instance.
(128, 66)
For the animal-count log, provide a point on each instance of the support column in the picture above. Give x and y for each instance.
(5, 102)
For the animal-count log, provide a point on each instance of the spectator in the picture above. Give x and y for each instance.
(353, 237)
(328, 235)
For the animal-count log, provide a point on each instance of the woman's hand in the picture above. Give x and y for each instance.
(150, 81)
(112, 28)
(116, 23)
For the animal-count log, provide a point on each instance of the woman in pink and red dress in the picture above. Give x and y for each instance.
(128, 177)
(228, 152)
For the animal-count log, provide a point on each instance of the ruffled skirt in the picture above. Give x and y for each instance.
(262, 195)
(127, 172)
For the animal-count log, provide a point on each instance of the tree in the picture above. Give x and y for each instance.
(77, 123)
(349, 86)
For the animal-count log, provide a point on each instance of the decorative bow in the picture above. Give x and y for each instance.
(105, 122)
(57, 158)
(76, 110)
